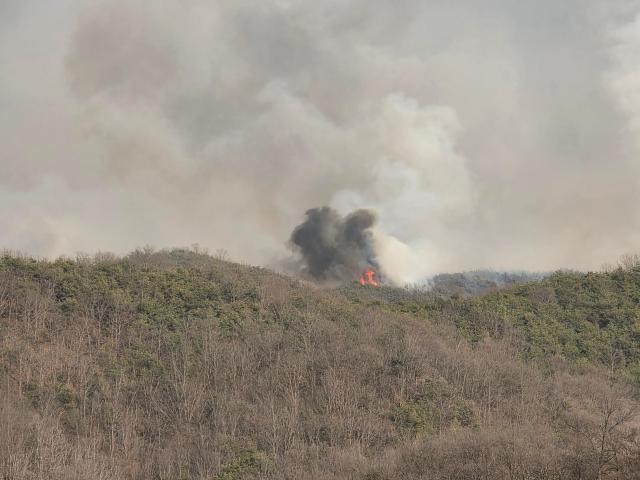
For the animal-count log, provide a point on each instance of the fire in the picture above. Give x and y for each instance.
(368, 278)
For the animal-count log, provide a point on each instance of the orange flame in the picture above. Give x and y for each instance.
(368, 278)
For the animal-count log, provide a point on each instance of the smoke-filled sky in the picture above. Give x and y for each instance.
(494, 133)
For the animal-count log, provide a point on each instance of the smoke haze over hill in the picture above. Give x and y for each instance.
(500, 135)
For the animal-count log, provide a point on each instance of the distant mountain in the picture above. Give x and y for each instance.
(478, 281)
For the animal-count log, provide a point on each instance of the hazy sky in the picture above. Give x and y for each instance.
(488, 133)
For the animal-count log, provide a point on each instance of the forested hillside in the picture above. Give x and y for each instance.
(176, 365)
(477, 282)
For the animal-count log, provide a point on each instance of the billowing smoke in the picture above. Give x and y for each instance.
(335, 248)
(503, 135)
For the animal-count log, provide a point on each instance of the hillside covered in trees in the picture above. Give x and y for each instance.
(477, 282)
(176, 365)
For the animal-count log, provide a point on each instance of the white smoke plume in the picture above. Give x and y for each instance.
(483, 134)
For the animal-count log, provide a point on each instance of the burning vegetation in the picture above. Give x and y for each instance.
(368, 277)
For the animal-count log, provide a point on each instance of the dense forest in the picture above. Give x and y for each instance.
(178, 365)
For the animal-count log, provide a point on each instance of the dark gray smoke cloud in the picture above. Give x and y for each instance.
(335, 248)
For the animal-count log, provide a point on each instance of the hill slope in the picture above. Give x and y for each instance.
(588, 318)
(478, 282)
(176, 365)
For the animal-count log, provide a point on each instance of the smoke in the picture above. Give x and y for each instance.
(502, 135)
(332, 247)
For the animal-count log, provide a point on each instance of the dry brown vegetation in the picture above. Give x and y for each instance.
(176, 365)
